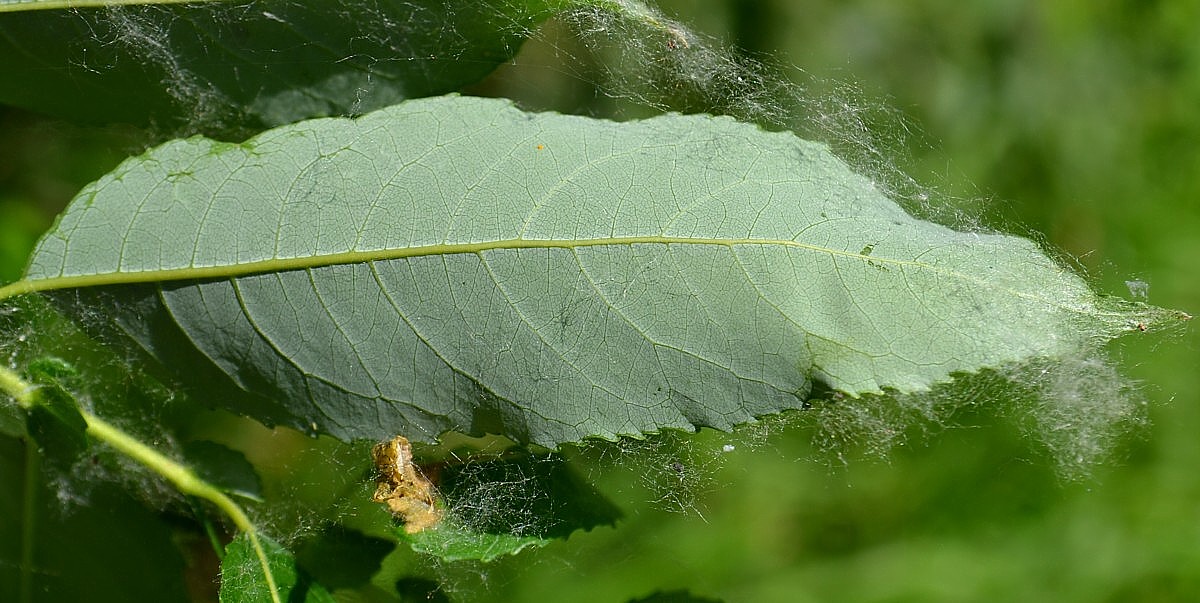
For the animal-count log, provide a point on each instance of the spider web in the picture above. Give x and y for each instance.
(625, 60)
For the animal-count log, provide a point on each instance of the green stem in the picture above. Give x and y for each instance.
(186, 481)
(213, 539)
(12, 384)
(182, 477)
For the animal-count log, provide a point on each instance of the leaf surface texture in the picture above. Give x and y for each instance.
(455, 263)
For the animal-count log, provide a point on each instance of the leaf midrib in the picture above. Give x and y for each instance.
(359, 257)
(7, 6)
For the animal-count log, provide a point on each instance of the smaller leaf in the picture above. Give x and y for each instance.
(55, 422)
(224, 467)
(243, 581)
(500, 507)
(51, 369)
(460, 543)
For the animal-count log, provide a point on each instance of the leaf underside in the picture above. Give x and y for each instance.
(455, 263)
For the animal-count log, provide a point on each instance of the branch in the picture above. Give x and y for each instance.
(180, 475)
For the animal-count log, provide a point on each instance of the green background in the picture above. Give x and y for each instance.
(1078, 120)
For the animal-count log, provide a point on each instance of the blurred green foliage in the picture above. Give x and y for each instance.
(1078, 120)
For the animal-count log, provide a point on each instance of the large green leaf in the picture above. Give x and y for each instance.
(457, 264)
(224, 64)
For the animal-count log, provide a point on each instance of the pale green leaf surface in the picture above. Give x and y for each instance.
(457, 264)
